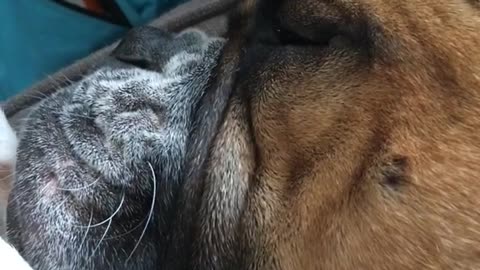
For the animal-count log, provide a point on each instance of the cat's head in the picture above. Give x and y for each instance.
(110, 150)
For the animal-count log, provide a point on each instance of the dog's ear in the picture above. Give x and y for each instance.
(8, 149)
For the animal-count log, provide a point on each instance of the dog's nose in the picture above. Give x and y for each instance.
(141, 46)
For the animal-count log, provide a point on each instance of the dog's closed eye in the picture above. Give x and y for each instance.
(330, 25)
(285, 36)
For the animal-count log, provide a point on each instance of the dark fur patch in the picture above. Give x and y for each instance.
(475, 3)
(209, 116)
(394, 172)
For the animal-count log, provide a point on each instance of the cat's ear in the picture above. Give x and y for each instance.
(10, 258)
(8, 154)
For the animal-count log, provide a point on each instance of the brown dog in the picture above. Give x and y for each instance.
(355, 133)
(339, 134)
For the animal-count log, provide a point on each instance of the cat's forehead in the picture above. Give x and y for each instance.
(152, 48)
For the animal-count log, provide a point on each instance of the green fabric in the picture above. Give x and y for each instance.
(40, 37)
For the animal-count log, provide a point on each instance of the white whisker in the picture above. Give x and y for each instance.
(7, 177)
(42, 96)
(109, 218)
(150, 214)
(103, 236)
(86, 232)
(128, 232)
(45, 187)
(108, 225)
(59, 205)
(80, 188)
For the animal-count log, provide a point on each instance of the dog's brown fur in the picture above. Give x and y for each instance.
(365, 156)
(360, 154)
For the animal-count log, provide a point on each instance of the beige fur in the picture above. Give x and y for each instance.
(368, 159)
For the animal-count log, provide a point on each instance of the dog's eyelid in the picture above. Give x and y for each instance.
(316, 25)
(314, 35)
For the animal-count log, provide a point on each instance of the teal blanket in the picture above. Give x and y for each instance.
(39, 37)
